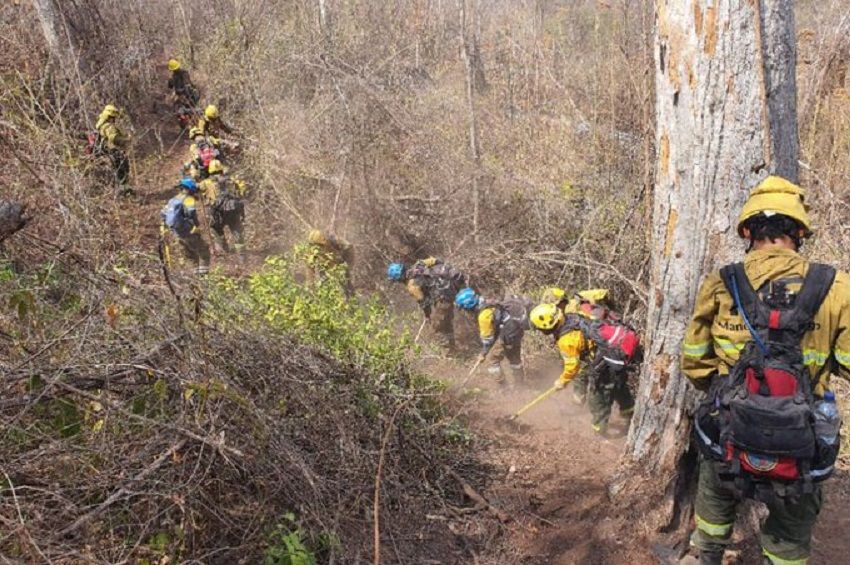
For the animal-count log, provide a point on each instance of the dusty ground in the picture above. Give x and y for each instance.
(551, 474)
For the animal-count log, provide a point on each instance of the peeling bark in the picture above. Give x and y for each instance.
(50, 26)
(725, 118)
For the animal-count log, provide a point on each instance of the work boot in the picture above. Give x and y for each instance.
(518, 373)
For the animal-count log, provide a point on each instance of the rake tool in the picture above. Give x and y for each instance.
(534, 403)
(480, 360)
(419, 333)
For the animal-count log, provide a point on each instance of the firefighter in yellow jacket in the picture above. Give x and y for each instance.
(180, 217)
(573, 305)
(775, 222)
(575, 340)
(212, 127)
(326, 253)
(501, 326)
(113, 142)
(224, 196)
(201, 153)
(434, 285)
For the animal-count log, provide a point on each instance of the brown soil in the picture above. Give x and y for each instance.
(550, 474)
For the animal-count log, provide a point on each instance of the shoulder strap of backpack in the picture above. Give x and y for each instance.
(816, 286)
(745, 298)
(735, 278)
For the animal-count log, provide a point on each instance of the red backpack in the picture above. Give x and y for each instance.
(617, 342)
(206, 153)
(94, 144)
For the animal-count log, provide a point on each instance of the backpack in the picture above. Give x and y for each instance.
(174, 217)
(440, 280)
(597, 311)
(512, 317)
(758, 422)
(94, 144)
(617, 342)
(226, 196)
(206, 153)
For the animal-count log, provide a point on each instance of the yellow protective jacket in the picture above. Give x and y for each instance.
(505, 319)
(414, 288)
(570, 304)
(487, 325)
(213, 129)
(573, 345)
(332, 251)
(211, 189)
(113, 137)
(716, 336)
(416, 291)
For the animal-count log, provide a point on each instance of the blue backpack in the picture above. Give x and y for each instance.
(175, 218)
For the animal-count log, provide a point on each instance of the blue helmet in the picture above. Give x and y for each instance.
(189, 184)
(466, 299)
(395, 272)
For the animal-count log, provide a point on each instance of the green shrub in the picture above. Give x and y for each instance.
(319, 314)
(287, 545)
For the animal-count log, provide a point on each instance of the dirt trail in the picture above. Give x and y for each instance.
(159, 152)
(552, 473)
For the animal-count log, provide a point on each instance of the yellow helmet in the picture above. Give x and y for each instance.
(593, 295)
(554, 294)
(109, 111)
(211, 112)
(316, 237)
(173, 65)
(775, 195)
(546, 317)
(215, 166)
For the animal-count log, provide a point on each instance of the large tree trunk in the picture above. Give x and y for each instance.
(725, 117)
(50, 26)
(475, 82)
(64, 31)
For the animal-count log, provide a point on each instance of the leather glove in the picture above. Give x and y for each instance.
(559, 384)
